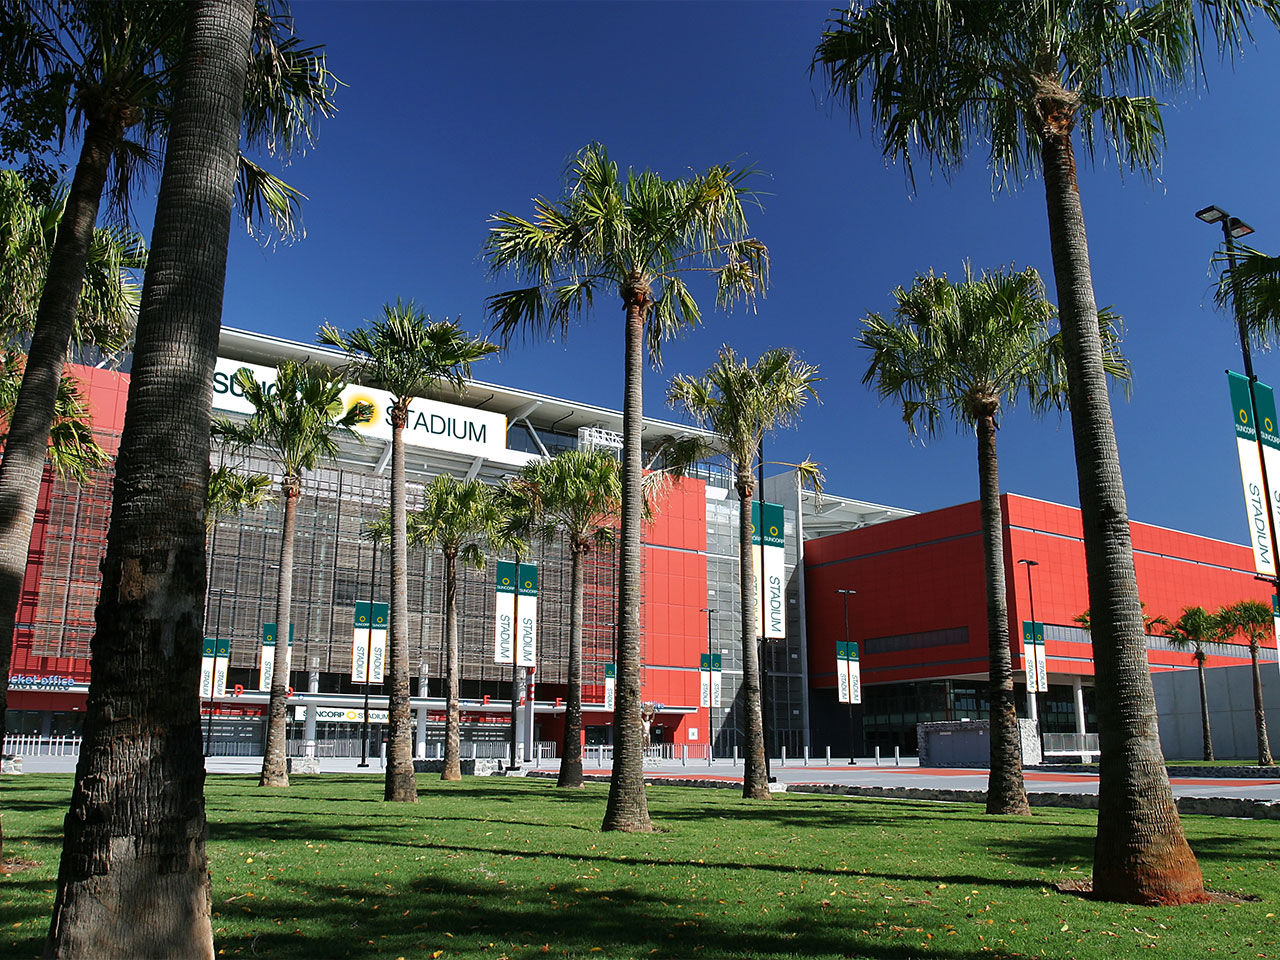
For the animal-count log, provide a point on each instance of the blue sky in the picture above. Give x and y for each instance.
(454, 111)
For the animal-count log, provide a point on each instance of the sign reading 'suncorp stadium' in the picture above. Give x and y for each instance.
(438, 426)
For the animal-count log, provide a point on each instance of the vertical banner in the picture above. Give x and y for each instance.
(206, 668)
(527, 636)
(369, 641)
(504, 630)
(221, 660)
(842, 671)
(854, 668)
(704, 674)
(267, 656)
(1265, 400)
(1275, 618)
(1034, 660)
(716, 676)
(771, 604)
(1255, 500)
(610, 684)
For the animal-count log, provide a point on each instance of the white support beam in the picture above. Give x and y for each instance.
(474, 470)
(383, 460)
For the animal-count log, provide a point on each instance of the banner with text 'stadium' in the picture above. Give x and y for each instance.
(517, 589)
(848, 672)
(1035, 663)
(771, 600)
(369, 641)
(1256, 502)
(267, 658)
(213, 668)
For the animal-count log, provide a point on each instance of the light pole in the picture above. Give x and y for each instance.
(368, 656)
(1032, 702)
(710, 673)
(846, 594)
(1233, 228)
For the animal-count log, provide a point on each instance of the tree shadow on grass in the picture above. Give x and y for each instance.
(486, 918)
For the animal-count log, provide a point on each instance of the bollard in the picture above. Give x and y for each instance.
(783, 761)
(877, 756)
(735, 755)
(897, 757)
(828, 754)
(684, 754)
(806, 756)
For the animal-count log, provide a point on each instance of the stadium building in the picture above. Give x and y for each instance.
(918, 613)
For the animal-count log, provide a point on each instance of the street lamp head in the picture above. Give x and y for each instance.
(1211, 214)
(848, 593)
(1238, 228)
(1030, 563)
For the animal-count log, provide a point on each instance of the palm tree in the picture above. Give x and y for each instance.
(300, 419)
(577, 493)
(1019, 78)
(73, 452)
(740, 402)
(460, 519)
(134, 876)
(1253, 285)
(106, 72)
(231, 492)
(640, 237)
(964, 350)
(1255, 620)
(104, 323)
(406, 354)
(1194, 628)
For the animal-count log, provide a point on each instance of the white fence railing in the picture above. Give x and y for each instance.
(34, 745)
(1059, 744)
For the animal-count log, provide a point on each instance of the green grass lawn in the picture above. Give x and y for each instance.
(496, 867)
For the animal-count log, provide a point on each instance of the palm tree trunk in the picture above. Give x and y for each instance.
(452, 716)
(26, 447)
(275, 770)
(134, 876)
(1204, 708)
(755, 778)
(1259, 711)
(1141, 854)
(628, 807)
(571, 751)
(1006, 792)
(401, 784)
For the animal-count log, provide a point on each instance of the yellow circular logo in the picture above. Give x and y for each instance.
(773, 531)
(1268, 426)
(371, 410)
(1244, 416)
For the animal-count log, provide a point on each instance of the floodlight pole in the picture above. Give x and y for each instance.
(368, 657)
(1230, 226)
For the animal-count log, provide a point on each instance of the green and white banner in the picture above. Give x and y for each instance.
(704, 674)
(848, 672)
(512, 645)
(1034, 662)
(369, 641)
(221, 661)
(1255, 500)
(771, 601)
(267, 656)
(610, 685)
(717, 676)
(207, 667)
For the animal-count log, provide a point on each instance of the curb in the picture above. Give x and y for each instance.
(1203, 806)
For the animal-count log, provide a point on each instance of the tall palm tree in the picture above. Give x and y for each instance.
(740, 402)
(639, 236)
(104, 323)
(299, 419)
(1019, 79)
(577, 494)
(107, 73)
(134, 876)
(460, 519)
(1194, 628)
(1254, 619)
(406, 354)
(964, 350)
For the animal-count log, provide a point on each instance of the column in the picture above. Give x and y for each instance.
(1077, 689)
(313, 686)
